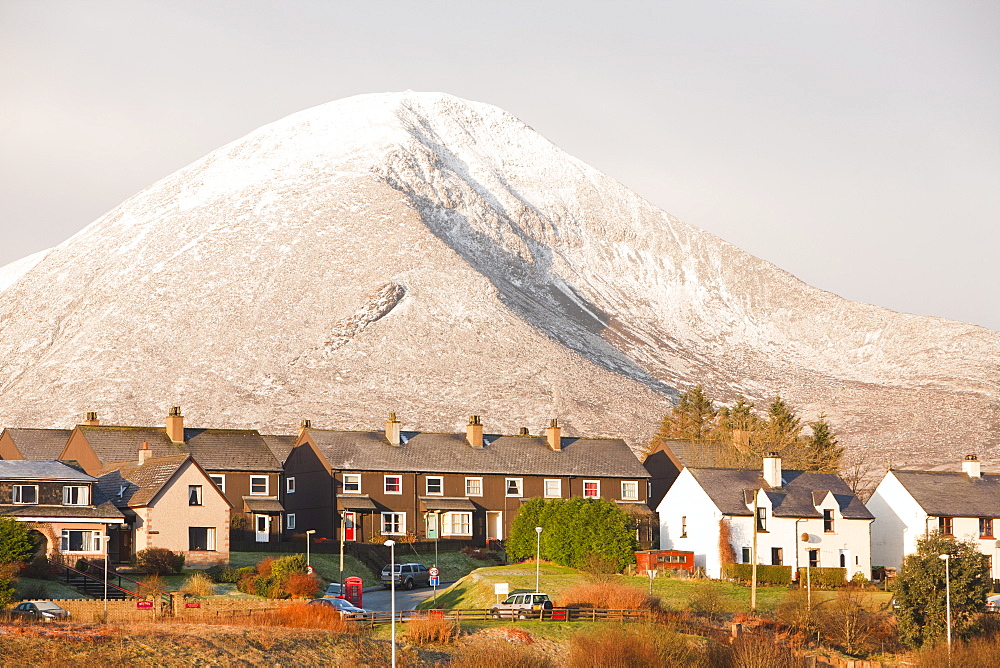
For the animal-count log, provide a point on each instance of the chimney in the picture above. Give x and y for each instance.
(305, 424)
(741, 439)
(175, 425)
(392, 430)
(474, 432)
(92, 419)
(970, 467)
(772, 469)
(144, 453)
(524, 432)
(553, 434)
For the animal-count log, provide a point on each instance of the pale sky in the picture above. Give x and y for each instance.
(855, 144)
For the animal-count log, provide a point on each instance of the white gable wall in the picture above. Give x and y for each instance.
(686, 503)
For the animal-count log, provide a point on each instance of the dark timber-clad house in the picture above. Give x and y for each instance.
(398, 484)
(239, 461)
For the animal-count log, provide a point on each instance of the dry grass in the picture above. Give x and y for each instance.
(609, 595)
(304, 616)
(198, 584)
(613, 647)
(432, 631)
(975, 652)
(494, 652)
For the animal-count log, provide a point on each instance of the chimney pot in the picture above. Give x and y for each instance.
(144, 453)
(971, 467)
(92, 418)
(175, 425)
(392, 430)
(305, 424)
(524, 432)
(474, 432)
(772, 469)
(553, 434)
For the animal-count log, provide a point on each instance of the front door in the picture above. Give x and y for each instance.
(350, 526)
(494, 525)
(263, 526)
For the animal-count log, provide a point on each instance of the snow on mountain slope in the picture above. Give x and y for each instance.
(10, 273)
(435, 257)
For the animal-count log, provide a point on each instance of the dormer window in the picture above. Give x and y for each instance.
(75, 495)
(26, 495)
(762, 519)
(828, 521)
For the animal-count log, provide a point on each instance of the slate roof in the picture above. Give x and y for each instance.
(39, 444)
(451, 453)
(141, 482)
(231, 450)
(23, 469)
(794, 499)
(280, 446)
(121, 444)
(953, 494)
(103, 512)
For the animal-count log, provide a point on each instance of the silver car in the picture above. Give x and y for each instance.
(342, 605)
(45, 611)
(522, 605)
(407, 576)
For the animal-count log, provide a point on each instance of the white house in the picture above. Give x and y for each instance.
(911, 504)
(803, 519)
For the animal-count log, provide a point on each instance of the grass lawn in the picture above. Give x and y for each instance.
(453, 565)
(327, 565)
(31, 588)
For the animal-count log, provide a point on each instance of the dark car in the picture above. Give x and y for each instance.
(407, 576)
(342, 605)
(45, 611)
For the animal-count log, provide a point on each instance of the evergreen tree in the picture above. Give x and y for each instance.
(783, 429)
(822, 452)
(920, 590)
(739, 425)
(694, 417)
(16, 545)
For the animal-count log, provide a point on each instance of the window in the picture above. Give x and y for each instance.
(290, 521)
(843, 560)
(986, 527)
(630, 490)
(194, 495)
(393, 523)
(201, 539)
(76, 495)
(945, 526)
(553, 488)
(514, 486)
(684, 526)
(591, 489)
(746, 555)
(80, 541)
(220, 481)
(393, 485)
(762, 519)
(289, 485)
(258, 484)
(352, 483)
(26, 494)
(457, 524)
(828, 521)
(435, 485)
(776, 555)
(473, 486)
(813, 558)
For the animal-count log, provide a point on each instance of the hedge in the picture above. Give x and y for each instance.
(773, 575)
(824, 577)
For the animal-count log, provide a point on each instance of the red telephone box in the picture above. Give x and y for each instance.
(353, 588)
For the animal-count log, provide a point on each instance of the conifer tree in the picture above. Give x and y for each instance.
(694, 417)
(822, 451)
(783, 430)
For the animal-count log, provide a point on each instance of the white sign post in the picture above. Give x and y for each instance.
(501, 589)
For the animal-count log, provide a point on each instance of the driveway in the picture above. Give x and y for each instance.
(380, 599)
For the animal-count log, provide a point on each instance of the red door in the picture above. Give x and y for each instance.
(350, 520)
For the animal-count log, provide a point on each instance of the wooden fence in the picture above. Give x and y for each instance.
(487, 614)
(93, 610)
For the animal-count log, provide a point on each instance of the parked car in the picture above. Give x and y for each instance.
(334, 590)
(45, 611)
(341, 605)
(993, 603)
(521, 605)
(407, 576)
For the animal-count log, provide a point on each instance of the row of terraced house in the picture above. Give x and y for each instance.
(205, 491)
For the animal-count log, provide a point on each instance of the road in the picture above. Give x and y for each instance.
(405, 600)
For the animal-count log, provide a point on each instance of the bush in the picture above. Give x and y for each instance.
(707, 599)
(37, 569)
(859, 580)
(432, 630)
(303, 615)
(152, 585)
(159, 561)
(830, 578)
(16, 543)
(285, 566)
(766, 574)
(224, 574)
(849, 626)
(278, 578)
(199, 584)
(607, 595)
(302, 585)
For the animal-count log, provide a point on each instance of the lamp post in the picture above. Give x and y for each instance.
(947, 595)
(308, 562)
(105, 540)
(343, 528)
(391, 544)
(538, 554)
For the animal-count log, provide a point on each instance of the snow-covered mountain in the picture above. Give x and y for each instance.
(422, 254)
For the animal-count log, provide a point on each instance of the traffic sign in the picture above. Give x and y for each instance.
(435, 581)
(434, 571)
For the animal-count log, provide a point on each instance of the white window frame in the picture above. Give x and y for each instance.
(220, 481)
(597, 483)
(385, 484)
(93, 543)
(400, 518)
(427, 485)
(267, 485)
(520, 487)
(198, 492)
(290, 521)
(17, 495)
(473, 480)
(545, 488)
(356, 480)
(448, 523)
(634, 485)
(83, 497)
(290, 485)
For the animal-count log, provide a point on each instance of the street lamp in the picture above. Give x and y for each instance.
(538, 554)
(104, 539)
(308, 562)
(391, 544)
(947, 595)
(343, 528)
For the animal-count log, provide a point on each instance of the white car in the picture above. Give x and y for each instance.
(993, 603)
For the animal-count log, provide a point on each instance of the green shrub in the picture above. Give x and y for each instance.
(37, 569)
(824, 577)
(289, 565)
(224, 574)
(159, 561)
(766, 574)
